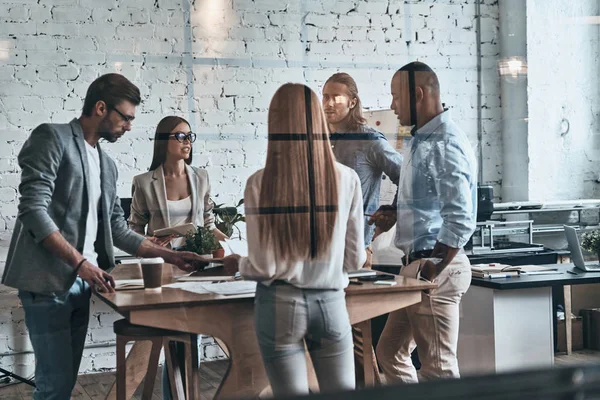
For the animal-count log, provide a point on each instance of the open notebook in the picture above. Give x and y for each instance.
(129, 284)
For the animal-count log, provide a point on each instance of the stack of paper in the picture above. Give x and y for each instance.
(506, 271)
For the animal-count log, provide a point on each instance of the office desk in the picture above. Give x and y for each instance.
(506, 324)
(231, 319)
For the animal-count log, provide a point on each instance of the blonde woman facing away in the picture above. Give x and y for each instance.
(172, 193)
(305, 228)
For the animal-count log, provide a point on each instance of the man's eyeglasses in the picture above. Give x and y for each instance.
(126, 118)
(181, 137)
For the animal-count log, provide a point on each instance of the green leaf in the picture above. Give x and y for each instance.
(203, 241)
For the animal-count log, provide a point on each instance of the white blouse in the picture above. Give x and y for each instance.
(180, 213)
(347, 249)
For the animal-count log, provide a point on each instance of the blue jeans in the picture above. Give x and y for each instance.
(57, 328)
(286, 318)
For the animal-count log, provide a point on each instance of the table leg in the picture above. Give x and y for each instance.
(174, 370)
(137, 366)
(568, 321)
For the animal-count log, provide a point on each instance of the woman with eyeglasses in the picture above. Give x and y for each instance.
(172, 193)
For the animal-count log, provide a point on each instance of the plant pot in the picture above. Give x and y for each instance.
(219, 253)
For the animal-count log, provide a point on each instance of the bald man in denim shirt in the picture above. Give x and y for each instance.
(435, 218)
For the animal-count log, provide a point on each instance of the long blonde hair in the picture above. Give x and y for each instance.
(298, 202)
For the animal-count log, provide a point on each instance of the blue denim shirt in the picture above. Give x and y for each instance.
(437, 197)
(370, 155)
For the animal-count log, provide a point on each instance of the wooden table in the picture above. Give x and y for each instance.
(231, 319)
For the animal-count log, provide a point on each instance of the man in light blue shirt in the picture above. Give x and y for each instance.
(363, 149)
(357, 145)
(437, 196)
(436, 216)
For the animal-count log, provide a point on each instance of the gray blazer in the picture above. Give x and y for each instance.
(149, 200)
(54, 197)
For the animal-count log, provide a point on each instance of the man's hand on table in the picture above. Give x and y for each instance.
(231, 263)
(184, 260)
(187, 261)
(97, 279)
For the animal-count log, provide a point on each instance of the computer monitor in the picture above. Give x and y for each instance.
(575, 249)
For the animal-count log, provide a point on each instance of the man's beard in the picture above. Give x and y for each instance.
(105, 130)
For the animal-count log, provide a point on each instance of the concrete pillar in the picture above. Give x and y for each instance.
(513, 84)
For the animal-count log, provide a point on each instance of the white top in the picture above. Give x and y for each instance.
(347, 248)
(180, 213)
(91, 225)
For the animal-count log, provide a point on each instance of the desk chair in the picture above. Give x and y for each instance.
(127, 332)
(126, 206)
(127, 380)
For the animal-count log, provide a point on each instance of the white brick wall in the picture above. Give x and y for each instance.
(564, 65)
(51, 50)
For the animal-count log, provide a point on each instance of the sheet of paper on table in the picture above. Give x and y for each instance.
(236, 246)
(204, 278)
(224, 288)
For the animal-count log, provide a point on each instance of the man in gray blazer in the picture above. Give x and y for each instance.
(69, 219)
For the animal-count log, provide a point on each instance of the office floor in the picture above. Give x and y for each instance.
(96, 386)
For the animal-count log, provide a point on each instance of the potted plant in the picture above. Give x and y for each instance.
(226, 218)
(202, 242)
(591, 242)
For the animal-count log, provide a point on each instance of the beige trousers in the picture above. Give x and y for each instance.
(431, 325)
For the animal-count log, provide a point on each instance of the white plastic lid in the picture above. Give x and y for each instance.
(156, 260)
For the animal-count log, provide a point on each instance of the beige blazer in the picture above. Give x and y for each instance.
(149, 201)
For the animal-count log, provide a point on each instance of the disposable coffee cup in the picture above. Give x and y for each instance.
(152, 273)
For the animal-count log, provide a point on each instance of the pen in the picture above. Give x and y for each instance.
(572, 273)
